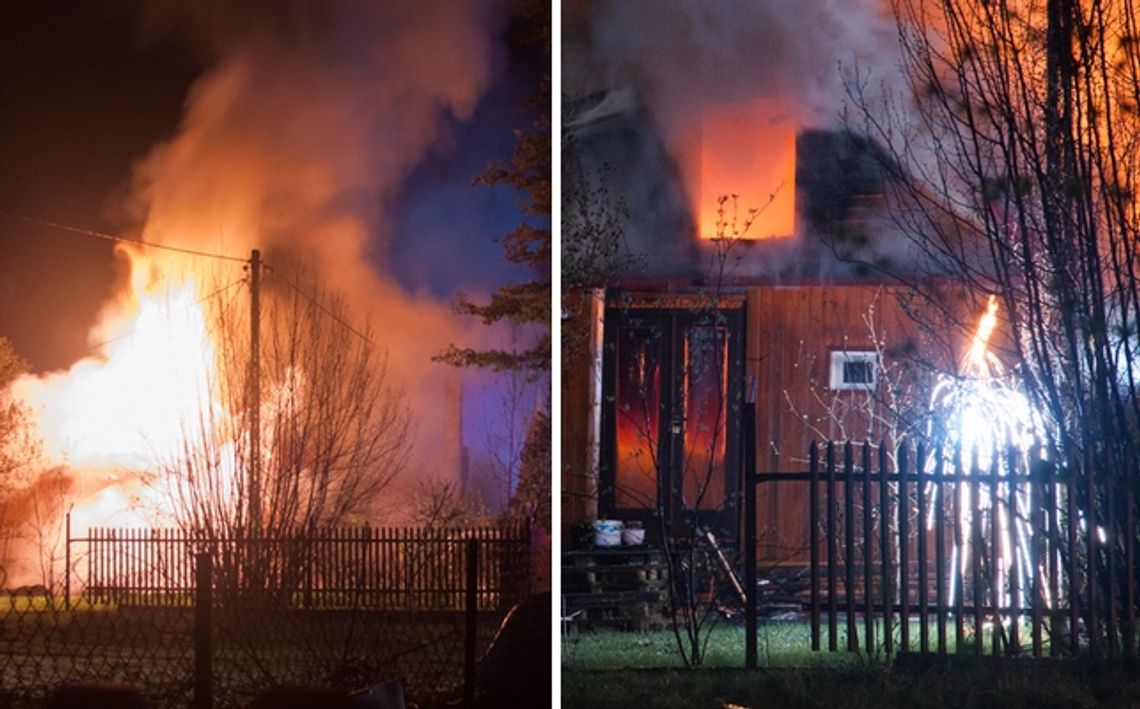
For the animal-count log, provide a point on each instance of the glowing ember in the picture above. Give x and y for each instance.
(981, 408)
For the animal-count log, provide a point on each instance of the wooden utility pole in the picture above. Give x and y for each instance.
(255, 391)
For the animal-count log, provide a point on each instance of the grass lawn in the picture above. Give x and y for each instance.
(778, 644)
(642, 670)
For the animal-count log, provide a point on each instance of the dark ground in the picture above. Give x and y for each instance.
(950, 682)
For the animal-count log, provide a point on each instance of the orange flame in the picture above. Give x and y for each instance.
(747, 150)
(112, 414)
(977, 358)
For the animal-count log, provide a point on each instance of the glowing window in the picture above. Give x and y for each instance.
(638, 400)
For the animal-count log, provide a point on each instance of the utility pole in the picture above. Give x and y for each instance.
(255, 391)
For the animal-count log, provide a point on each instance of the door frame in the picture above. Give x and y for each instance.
(673, 315)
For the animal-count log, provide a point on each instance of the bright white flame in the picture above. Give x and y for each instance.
(111, 416)
(981, 412)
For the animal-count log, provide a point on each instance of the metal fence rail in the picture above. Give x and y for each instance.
(378, 568)
(213, 623)
(931, 551)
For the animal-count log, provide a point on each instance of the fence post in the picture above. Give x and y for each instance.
(748, 423)
(67, 564)
(813, 533)
(868, 556)
(832, 607)
(203, 610)
(469, 640)
(849, 541)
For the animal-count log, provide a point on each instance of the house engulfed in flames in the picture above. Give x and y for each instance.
(797, 305)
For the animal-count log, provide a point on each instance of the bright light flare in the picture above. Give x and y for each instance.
(112, 415)
(981, 412)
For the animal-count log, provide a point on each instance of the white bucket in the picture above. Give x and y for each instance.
(607, 532)
(632, 537)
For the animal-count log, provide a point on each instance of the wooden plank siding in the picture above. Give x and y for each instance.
(790, 333)
(583, 312)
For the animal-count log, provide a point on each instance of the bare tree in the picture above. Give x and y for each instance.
(19, 451)
(695, 482)
(438, 504)
(19, 446)
(531, 499)
(1015, 153)
(504, 440)
(334, 430)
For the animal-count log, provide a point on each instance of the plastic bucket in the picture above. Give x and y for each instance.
(632, 537)
(607, 532)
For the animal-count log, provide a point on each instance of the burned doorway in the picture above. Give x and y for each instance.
(672, 390)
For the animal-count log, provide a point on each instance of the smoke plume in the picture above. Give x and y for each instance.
(684, 56)
(298, 139)
(712, 95)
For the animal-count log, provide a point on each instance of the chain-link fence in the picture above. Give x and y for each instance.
(191, 622)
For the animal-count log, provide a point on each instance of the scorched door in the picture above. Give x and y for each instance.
(672, 394)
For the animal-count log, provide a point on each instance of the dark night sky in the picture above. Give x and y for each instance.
(83, 97)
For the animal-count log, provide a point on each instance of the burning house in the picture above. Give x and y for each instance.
(758, 259)
(328, 145)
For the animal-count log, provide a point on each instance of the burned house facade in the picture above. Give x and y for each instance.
(793, 297)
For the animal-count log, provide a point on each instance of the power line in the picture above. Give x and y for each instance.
(192, 252)
(320, 306)
(113, 237)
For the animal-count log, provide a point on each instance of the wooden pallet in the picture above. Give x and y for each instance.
(619, 587)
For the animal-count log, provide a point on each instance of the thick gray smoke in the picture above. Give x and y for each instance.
(685, 55)
(664, 65)
(299, 138)
(301, 135)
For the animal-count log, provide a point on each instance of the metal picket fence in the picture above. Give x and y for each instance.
(197, 622)
(924, 550)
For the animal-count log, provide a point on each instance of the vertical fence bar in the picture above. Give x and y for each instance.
(849, 539)
(471, 626)
(976, 542)
(309, 555)
(1129, 571)
(120, 576)
(1014, 566)
(832, 601)
(203, 621)
(813, 534)
(920, 530)
(1111, 626)
(67, 564)
(748, 425)
(1093, 622)
(996, 626)
(885, 546)
(961, 487)
(868, 554)
(1074, 592)
(904, 565)
(1038, 516)
(940, 547)
(92, 559)
(1052, 542)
